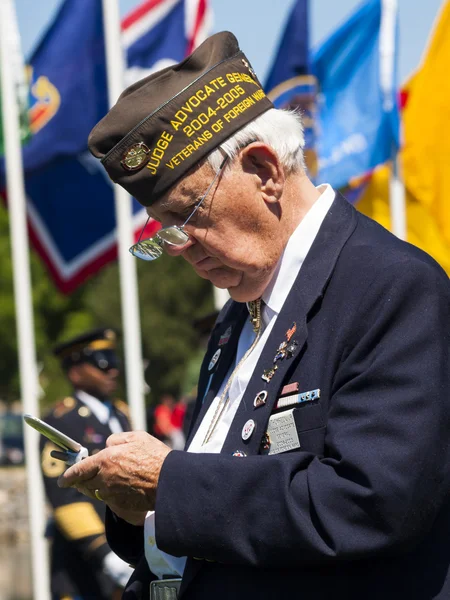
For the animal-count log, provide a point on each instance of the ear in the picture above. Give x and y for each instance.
(260, 159)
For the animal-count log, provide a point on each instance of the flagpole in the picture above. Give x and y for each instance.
(388, 41)
(397, 203)
(134, 368)
(23, 302)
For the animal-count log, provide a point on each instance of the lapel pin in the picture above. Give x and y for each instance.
(290, 332)
(268, 374)
(286, 349)
(260, 399)
(214, 359)
(248, 429)
(265, 442)
(291, 348)
(225, 336)
(281, 352)
(239, 453)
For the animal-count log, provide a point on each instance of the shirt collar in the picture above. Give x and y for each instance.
(99, 408)
(296, 251)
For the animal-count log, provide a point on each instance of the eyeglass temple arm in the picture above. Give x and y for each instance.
(143, 229)
(219, 170)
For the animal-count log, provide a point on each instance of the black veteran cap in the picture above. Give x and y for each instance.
(164, 124)
(96, 347)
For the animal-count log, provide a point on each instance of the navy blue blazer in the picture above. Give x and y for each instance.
(361, 509)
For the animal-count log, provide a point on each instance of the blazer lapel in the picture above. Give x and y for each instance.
(308, 287)
(226, 339)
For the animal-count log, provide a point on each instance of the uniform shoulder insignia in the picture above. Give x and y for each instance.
(122, 406)
(64, 407)
(51, 467)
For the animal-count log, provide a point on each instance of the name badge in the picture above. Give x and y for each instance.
(282, 432)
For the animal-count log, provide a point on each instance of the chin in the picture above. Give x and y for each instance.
(222, 278)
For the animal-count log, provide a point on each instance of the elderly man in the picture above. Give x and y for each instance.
(318, 462)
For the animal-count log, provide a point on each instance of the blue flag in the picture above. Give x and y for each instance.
(358, 117)
(290, 84)
(292, 58)
(70, 198)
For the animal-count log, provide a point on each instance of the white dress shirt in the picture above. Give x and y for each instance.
(273, 297)
(100, 410)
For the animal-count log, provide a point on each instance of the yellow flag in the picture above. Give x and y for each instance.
(425, 158)
(423, 230)
(426, 118)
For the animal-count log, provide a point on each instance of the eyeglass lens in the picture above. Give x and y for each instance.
(151, 249)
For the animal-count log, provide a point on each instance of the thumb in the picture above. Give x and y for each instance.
(82, 471)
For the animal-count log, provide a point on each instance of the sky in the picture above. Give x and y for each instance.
(258, 25)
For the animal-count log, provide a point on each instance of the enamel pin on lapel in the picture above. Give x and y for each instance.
(287, 348)
(260, 399)
(214, 359)
(265, 442)
(224, 338)
(268, 374)
(248, 429)
(239, 453)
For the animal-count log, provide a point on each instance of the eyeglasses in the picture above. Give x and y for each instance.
(152, 248)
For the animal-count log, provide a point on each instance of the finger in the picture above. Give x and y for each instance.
(82, 471)
(86, 491)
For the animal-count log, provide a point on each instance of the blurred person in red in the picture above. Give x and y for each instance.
(167, 422)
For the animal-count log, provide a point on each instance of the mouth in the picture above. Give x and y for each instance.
(207, 264)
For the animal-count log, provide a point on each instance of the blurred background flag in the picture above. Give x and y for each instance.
(426, 127)
(358, 121)
(16, 58)
(426, 153)
(290, 83)
(68, 191)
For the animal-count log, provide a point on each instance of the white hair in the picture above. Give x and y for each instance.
(282, 130)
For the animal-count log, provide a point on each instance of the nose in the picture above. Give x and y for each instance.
(178, 250)
(113, 373)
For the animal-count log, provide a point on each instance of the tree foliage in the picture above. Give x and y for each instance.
(171, 297)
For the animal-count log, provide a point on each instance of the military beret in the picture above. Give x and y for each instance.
(96, 347)
(165, 124)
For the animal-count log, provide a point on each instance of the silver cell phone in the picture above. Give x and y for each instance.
(74, 451)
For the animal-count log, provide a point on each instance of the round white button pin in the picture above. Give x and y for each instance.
(248, 429)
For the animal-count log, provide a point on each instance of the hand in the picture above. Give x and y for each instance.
(125, 474)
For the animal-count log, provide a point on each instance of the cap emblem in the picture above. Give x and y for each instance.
(135, 157)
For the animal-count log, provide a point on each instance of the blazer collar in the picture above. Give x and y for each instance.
(223, 345)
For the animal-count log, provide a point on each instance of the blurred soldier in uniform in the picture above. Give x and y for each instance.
(82, 564)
